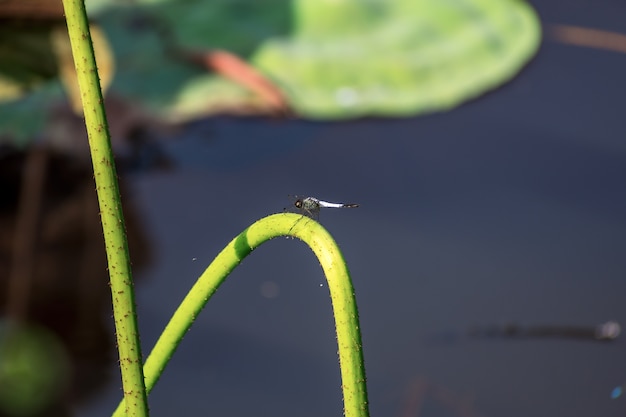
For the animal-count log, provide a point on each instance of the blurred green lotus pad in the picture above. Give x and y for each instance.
(352, 58)
(333, 59)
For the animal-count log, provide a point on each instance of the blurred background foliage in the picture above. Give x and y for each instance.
(328, 59)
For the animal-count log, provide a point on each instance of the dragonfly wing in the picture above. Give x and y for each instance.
(315, 213)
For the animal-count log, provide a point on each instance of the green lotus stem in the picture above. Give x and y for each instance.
(339, 284)
(110, 209)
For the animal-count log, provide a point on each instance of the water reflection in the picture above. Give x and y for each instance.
(55, 293)
(424, 397)
(604, 332)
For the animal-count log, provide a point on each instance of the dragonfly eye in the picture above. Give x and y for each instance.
(298, 203)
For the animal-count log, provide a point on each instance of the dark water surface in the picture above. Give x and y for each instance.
(510, 209)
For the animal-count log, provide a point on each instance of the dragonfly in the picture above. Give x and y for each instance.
(310, 206)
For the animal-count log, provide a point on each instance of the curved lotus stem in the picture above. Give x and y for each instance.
(339, 284)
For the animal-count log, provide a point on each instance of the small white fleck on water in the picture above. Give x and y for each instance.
(270, 289)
